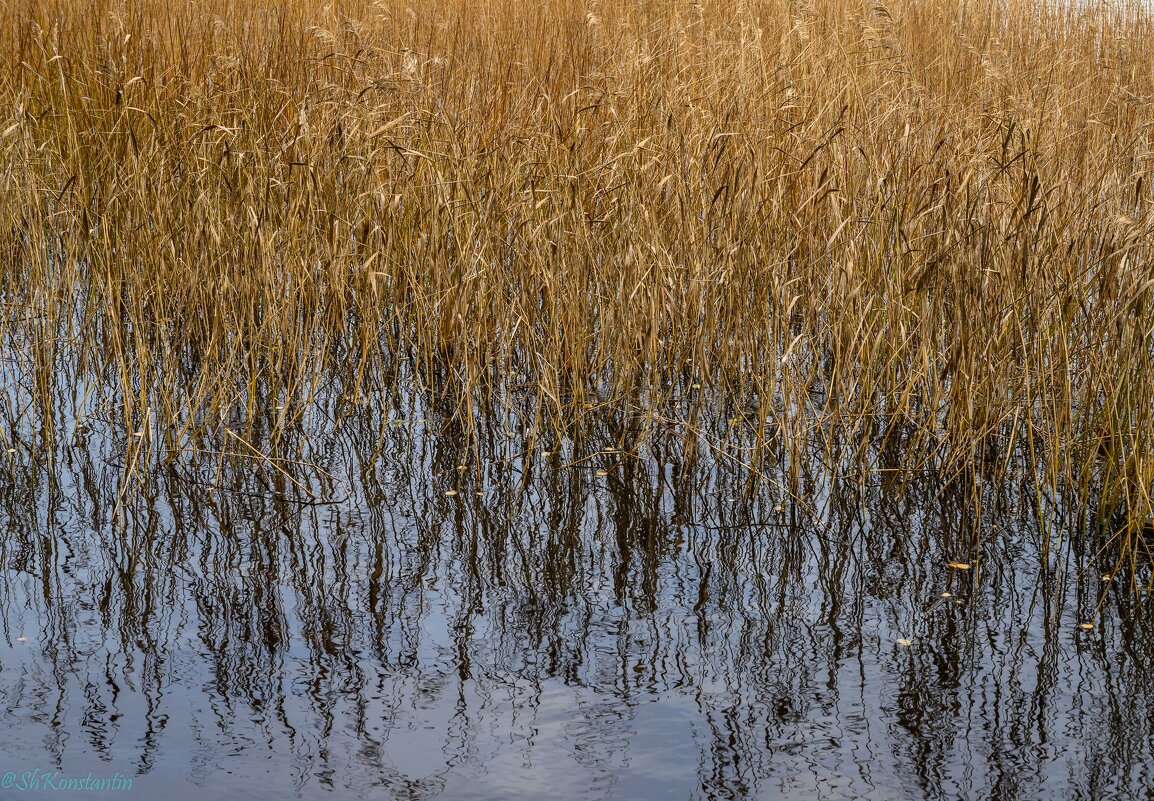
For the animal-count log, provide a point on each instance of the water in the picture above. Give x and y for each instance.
(340, 627)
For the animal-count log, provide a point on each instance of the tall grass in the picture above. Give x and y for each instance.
(855, 222)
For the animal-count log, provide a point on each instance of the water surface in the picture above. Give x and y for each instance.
(582, 625)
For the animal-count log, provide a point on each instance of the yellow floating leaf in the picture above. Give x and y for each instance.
(905, 643)
(451, 492)
(1087, 626)
(602, 473)
(958, 565)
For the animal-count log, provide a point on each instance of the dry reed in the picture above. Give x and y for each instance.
(858, 222)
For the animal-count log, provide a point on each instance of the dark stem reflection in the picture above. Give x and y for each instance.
(403, 608)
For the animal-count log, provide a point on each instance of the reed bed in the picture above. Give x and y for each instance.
(847, 228)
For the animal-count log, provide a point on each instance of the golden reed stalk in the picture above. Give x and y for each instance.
(931, 217)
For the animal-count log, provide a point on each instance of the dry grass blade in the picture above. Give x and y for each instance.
(870, 228)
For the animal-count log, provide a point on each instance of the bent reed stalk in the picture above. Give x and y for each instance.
(925, 220)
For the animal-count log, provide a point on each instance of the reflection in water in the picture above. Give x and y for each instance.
(577, 625)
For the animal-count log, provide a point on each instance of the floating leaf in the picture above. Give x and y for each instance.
(451, 492)
(958, 565)
(602, 473)
(905, 643)
(1086, 626)
(947, 595)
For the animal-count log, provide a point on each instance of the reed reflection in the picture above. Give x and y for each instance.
(612, 617)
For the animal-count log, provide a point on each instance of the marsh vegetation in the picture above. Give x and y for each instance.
(756, 323)
(844, 226)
